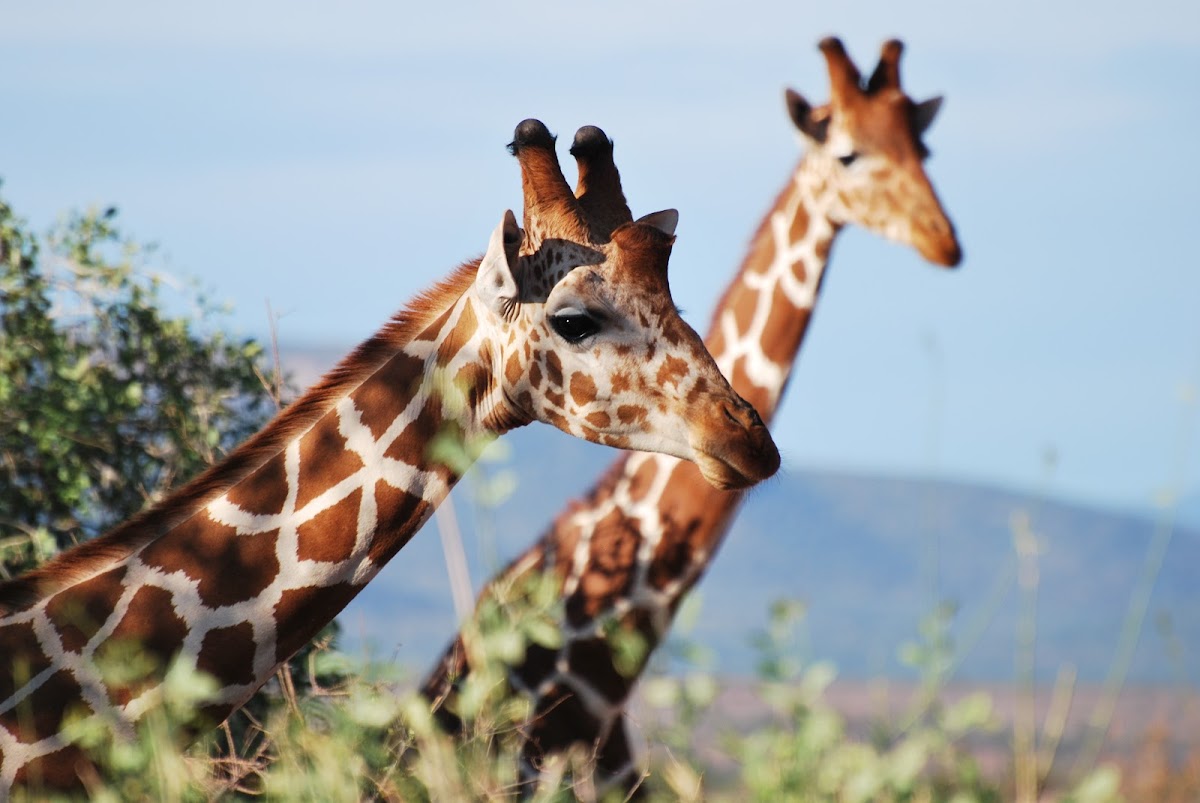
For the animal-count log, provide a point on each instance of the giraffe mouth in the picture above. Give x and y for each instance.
(935, 239)
(737, 451)
(726, 476)
(946, 253)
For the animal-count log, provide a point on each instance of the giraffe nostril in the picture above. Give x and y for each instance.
(742, 415)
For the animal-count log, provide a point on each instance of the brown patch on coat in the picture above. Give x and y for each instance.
(698, 389)
(695, 516)
(673, 554)
(229, 568)
(559, 717)
(799, 224)
(324, 461)
(583, 389)
(615, 754)
(538, 664)
(631, 414)
(398, 512)
(672, 371)
(600, 419)
(263, 492)
(22, 658)
(524, 402)
(592, 659)
(383, 397)
(227, 653)
(784, 332)
(457, 338)
(512, 370)
(562, 541)
(330, 535)
(554, 369)
(608, 574)
(475, 380)
(615, 441)
(642, 480)
(151, 630)
(78, 615)
(432, 330)
(673, 335)
(412, 444)
(739, 303)
(302, 612)
(556, 419)
(41, 714)
(59, 771)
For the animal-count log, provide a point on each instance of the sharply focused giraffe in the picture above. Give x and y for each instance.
(570, 322)
(643, 536)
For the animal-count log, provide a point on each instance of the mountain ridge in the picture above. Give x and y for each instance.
(861, 550)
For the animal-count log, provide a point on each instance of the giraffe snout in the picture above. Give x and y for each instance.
(934, 237)
(734, 448)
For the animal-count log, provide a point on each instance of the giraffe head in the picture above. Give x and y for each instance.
(867, 139)
(587, 337)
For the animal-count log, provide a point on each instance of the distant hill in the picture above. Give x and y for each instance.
(1189, 511)
(861, 550)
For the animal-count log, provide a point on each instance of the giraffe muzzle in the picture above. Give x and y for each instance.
(733, 447)
(941, 249)
(934, 237)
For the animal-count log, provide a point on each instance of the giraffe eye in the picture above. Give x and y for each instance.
(848, 159)
(574, 327)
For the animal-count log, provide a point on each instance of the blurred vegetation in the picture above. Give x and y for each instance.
(367, 738)
(106, 399)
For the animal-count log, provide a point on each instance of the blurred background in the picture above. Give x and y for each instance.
(315, 167)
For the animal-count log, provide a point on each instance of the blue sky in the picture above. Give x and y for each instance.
(334, 162)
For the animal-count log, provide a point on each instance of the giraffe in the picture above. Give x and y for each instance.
(627, 554)
(569, 321)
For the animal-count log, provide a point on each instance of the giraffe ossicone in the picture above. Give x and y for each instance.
(569, 322)
(644, 534)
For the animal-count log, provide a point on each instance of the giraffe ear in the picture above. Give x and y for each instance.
(495, 283)
(665, 221)
(813, 123)
(922, 114)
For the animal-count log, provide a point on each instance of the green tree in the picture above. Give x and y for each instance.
(106, 399)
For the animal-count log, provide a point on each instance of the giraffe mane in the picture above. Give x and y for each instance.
(92, 557)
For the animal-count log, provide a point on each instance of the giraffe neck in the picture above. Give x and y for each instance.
(761, 320)
(252, 574)
(646, 532)
(755, 335)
